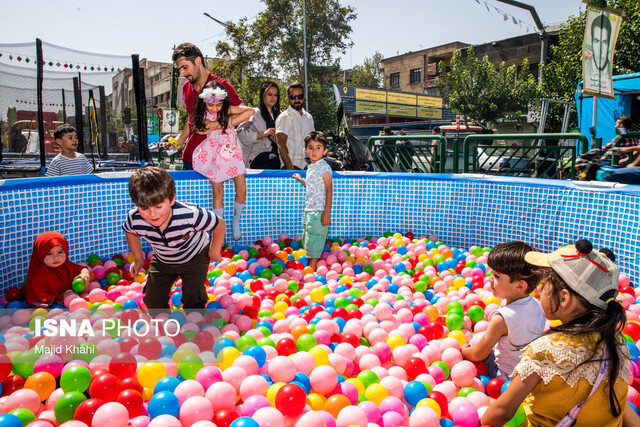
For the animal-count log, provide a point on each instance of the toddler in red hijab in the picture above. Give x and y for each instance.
(50, 272)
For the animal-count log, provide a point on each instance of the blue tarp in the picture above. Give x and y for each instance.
(608, 109)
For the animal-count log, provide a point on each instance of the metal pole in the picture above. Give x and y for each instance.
(594, 121)
(103, 123)
(64, 108)
(77, 94)
(39, 84)
(304, 47)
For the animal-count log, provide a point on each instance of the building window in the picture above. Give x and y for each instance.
(394, 80)
(415, 75)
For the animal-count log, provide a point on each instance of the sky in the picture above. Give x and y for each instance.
(152, 28)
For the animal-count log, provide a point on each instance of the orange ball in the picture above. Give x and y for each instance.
(447, 253)
(336, 403)
(431, 311)
(230, 269)
(299, 330)
(42, 383)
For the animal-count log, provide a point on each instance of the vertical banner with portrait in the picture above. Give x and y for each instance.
(600, 35)
(169, 121)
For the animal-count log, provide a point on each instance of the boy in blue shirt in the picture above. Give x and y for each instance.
(317, 209)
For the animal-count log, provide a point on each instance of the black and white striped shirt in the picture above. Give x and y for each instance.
(185, 236)
(63, 165)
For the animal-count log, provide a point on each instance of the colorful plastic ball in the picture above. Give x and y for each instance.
(336, 403)
(290, 400)
(424, 417)
(194, 409)
(189, 366)
(26, 416)
(86, 410)
(65, 407)
(454, 321)
(75, 378)
(164, 402)
(465, 415)
(105, 387)
(244, 422)
(78, 285)
(518, 418)
(494, 387)
(112, 414)
(475, 313)
(415, 391)
(150, 373)
(10, 420)
(23, 363)
(43, 383)
(132, 400)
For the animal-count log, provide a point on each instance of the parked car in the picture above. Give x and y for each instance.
(501, 162)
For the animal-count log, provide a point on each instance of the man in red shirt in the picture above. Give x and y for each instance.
(190, 62)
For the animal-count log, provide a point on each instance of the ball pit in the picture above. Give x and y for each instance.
(372, 338)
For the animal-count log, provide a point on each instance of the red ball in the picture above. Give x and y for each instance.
(132, 400)
(256, 285)
(432, 331)
(351, 339)
(359, 302)
(299, 303)
(290, 400)
(441, 400)
(354, 313)
(204, 340)
(105, 387)
(86, 410)
(633, 330)
(224, 417)
(481, 368)
(123, 365)
(14, 294)
(340, 312)
(494, 387)
(132, 383)
(11, 384)
(415, 366)
(286, 346)
(127, 344)
(150, 348)
(409, 235)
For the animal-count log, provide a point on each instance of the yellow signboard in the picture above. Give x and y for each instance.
(429, 113)
(401, 98)
(401, 110)
(371, 95)
(368, 107)
(429, 101)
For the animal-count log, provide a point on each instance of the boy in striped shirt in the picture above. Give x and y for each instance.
(68, 162)
(178, 234)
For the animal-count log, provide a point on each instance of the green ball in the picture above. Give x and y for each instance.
(66, 405)
(95, 306)
(189, 366)
(266, 274)
(471, 263)
(367, 378)
(236, 258)
(85, 352)
(386, 234)
(23, 363)
(475, 313)
(92, 257)
(253, 252)
(282, 245)
(518, 418)
(351, 307)
(364, 341)
(116, 306)
(428, 386)
(341, 302)
(454, 321)
(427, 262)
(265, 331)
(119, 262)
(264, 313)
(444, 367)
(367, 268)
(356, 292)
(476, 251)
(76, 378)
(311, 328)
(78, 285)
(361, 398)
(266, 341)
(293, 286)
(375, 256)
(420, 286)
(437, 259)
(245, 342)
(219, 323)
(25, 415)
(37, 319)
(216, 272)
(325, 289)
(465, 391)
(277, 269)
(372, 301)
(306, 342)
(112, 278)
(486, 249)
(455, 306)
(189, 334)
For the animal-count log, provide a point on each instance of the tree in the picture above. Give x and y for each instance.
(476, 89)
(562, 73)
(369, 74)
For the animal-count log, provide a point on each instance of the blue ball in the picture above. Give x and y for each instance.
(504, 386)
(303, 259)
(357, 269)
(167, 350)
(222, 343)
(244, 421)
(303, 381)
(212, 306)
(266, 324)
(341, 322)
(341, 288)
(446, 422)
(321, 279)
(402, 249)
(257, 353)
(166, 384)
(633, 351)
(237, 288)
(371, 283)
(162, 403)
(176, 298)
(295, 245)
(393, 288)
(414, 392)
(129, 304)
(10, 420)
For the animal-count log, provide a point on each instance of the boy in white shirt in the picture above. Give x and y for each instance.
(68, 162)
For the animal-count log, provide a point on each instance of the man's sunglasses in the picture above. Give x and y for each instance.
(293, 97)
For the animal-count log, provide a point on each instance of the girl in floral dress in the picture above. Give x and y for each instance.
(219, 156)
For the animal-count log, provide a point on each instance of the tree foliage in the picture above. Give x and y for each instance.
(475, 88)
(271, 47)
(563, 71)
(369, 74)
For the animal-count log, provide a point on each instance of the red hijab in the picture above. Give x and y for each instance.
(46, 283)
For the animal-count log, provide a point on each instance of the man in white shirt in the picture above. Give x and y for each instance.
(292, 126)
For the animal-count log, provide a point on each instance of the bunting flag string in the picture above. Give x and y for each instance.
(507, 16)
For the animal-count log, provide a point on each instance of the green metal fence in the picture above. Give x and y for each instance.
(615, 159)
(409, 153)
(551, 161)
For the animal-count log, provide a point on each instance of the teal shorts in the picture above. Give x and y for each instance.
(315, 234)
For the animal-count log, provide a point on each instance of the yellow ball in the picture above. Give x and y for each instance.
(150, 373)
(272, 391)
(280, 307)
(316, 401)
(316, 295)
(361, 259)
(351, 259)
(140, 277)
(147, 393)
(430, 403)
(346, 279)
(227, 356)
(422, 257)
(492, 300)
(395, 341)
(398, 236)
(398, 243)
(334, 247)
(459, 282)
(319, 355)
(130, 258)
(376, 393)
(13, 354)
(281, 297)
(435, 251)
(180, 353)
(356, 382)
(39, 312)
(458, 336)
(278, 316)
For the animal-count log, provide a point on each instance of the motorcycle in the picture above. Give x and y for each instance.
(347, 152)
(591, 164)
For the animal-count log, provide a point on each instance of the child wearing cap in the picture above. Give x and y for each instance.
(578, 371)
(519, 321)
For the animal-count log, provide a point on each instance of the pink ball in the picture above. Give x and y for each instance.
(424, 417)
(252, 386)
(253, 403)
(112, 414)
(282, 369)
(271, 417)
(451, 356)
(463, 373)
(352, 416)
(392, 404)
(323, 379)
(187, 389)
(194, 409)
(392, 419)
(371, 410)
(465, 415)
(209, 375)
(221, 395)
(25, 398)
